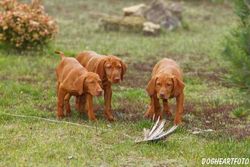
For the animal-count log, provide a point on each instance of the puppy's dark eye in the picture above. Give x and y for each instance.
(168, 84)
(158, 83)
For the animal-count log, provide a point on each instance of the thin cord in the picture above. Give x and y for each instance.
(56, 121)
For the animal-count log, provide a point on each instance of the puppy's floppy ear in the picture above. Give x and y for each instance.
(79, 84)
(178, 86)
(124, 68)
(100, 70)
(151, 86)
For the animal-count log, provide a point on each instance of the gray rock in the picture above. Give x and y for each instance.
(168, 16)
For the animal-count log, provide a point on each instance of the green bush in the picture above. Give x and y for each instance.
(25, 26)
(237, 48)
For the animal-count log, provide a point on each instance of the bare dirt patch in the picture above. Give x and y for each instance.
(27, 79)
(219, 119)
(4, 77)
(138, 74)
(46, 107)
(137, 80)
(209, 76)
(197, 66)
(197, 115)
(131, 111)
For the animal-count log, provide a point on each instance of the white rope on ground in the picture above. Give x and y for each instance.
(56, 121)
(45, 119)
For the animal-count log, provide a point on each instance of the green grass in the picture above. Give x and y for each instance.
(27, 87)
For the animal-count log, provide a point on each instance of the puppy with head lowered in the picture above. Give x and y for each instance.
(111, 70)
(74, 80)
(166, 82)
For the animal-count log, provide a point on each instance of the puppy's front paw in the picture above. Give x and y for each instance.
(60, 116)
(177, 121)
(109, 117)
(92, 118)
(149, 114)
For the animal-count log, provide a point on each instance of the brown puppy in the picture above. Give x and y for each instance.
(166, 82)
(74, 79)
(110, 69)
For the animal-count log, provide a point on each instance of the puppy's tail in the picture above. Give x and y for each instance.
(60, 53)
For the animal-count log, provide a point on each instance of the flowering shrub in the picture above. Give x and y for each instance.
(25, 26)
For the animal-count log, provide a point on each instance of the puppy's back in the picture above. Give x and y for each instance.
(68, 68)
(167, 65)
(85, 57)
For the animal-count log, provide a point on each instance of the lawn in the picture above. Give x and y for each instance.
(27, 88)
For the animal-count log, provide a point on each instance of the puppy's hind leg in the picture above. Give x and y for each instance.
(67, 104)
(77, 103)
(57, 87)
(60, 102)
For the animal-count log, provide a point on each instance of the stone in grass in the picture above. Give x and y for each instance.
(136, 10)
(151, 29)
(168, 16)
(127, 23)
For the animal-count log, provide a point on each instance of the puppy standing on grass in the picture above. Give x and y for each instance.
(166, 82)
(74, 79)
(110, 69)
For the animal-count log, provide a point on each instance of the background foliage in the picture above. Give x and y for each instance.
(237, 48)
(25, 26)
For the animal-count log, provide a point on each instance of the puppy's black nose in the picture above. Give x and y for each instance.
(99, 93)
(117, 79)
(161, 95)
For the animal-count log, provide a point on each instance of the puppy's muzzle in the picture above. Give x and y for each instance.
(162, 96)
(117, 79)
(99, 93)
